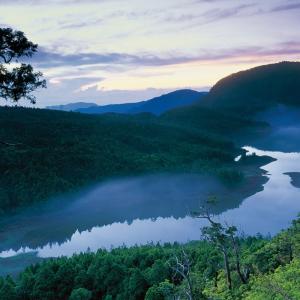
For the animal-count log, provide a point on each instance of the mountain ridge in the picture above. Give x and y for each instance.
(156, 105)
(71, 106)
(257, 89)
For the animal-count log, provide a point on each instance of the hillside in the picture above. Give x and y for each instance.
(237, 99)
(257, 89)
(60, 151)
(155, 106)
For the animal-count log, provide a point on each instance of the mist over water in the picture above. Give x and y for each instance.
(151, 208)
(284, 129)
(121, 201)
(155, 208)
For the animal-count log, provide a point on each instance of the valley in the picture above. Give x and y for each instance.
(77, 183)
(149, 150)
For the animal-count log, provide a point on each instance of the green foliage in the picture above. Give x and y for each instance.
(57, 152)
(211, 120)
(82, 294)
(8, 289)
(162, 291)
(144, 273)
(283, 284)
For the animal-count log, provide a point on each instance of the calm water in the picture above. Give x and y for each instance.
(151, 209)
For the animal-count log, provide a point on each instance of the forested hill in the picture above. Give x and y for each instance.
(238, 97)
(257, 89)
(45, 152)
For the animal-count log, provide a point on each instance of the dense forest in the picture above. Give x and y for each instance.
(50, 152)
(259, 268)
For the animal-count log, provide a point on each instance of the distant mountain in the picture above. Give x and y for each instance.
(124, 108)
(72, 106)
(156, 105)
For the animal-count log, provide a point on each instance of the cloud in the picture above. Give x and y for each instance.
(75, 25)
(142, 44)
(287, 6)
(47, 2)
(208, 16)
(80, 76)
(221, 13)
(212, 15)
(46, 59)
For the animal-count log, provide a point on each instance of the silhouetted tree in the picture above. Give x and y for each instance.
(19, 81)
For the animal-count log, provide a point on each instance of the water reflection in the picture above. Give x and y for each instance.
(118, 201)
(153, 209)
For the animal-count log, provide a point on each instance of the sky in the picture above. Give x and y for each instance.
(116, 51)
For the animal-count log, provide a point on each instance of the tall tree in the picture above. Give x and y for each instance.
(17, 80)
(226, 241)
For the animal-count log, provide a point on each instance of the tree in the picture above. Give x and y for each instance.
(217, 235)
(163, 291)
(81, 294)
(245, 273)
(20, 81)
(283, 284)
(226, 241)
(7, 289)
(137, 285)
(182, 267)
